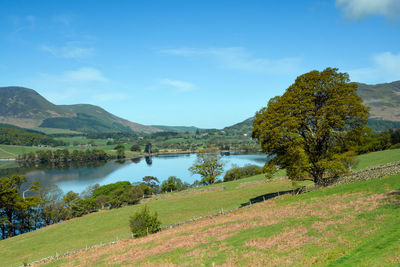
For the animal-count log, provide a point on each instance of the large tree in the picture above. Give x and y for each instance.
(313, 128)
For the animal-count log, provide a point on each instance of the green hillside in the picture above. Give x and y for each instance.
(349, 225)
(26, 108)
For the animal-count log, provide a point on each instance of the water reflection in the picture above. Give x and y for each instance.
(149, 161)
(77, 177)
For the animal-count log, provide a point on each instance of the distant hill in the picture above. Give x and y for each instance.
(26, 108)
(244, 127)
(383, 99)
(177, 129)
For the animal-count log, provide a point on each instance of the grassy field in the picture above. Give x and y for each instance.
(7, 151)
(107, 226)
(111, 225)
(378, 158)
(349, 225)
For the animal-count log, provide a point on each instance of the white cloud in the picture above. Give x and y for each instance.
(238, 58)
(84, 74)
(179, 85)
(357, 9)
(69, 51)
(385, 68)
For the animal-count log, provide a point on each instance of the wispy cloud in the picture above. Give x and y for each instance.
(21, 23)
(179, 85)
(85, 74)
(238, 58)
(385, 68)
(357, 9)
(71, 50)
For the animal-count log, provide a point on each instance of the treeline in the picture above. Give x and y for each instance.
(372, 141)
(237, 173)
(15, 136)
(64, 156)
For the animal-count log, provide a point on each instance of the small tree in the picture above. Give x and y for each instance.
(209, 166)
(148, 148)
(143, 223)
(171, 184)
(151, 182)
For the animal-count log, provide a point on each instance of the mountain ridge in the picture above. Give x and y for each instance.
(26, 108)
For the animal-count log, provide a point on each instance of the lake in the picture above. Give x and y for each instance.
(162, 166)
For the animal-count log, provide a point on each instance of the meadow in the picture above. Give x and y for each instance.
(349, 225)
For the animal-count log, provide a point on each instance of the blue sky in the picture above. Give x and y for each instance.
(204, 63)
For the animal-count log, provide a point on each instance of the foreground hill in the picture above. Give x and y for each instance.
(349, 225)
(26, 108)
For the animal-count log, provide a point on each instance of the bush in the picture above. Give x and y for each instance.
(239, 173)
(135, 148)
(143, 223)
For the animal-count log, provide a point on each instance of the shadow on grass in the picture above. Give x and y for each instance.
(273, 195)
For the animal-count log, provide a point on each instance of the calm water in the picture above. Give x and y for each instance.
(163, 166)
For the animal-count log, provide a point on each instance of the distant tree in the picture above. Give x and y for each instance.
(135, 148)
(148, 148)
(119, 146)
(143, 223)
(313, 127)
(208, 166)
(88, 192)
(171, 184)
(152, 182)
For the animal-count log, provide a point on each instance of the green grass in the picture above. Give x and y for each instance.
(349, 225)
(7, 151)
(107, 226)
(54, 130)
(377, 158)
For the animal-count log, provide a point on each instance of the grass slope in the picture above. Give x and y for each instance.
(106, 226)
(349, 225)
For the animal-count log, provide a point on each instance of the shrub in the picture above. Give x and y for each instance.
(143, 223)
(238, 173)
(135, 147)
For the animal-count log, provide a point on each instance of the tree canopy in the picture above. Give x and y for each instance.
(314, 127)
(208, 166)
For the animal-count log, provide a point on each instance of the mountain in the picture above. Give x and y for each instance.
(26, 108)
(383, 99)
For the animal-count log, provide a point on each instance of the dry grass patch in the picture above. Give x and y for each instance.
(191, 238)
(282, 242)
